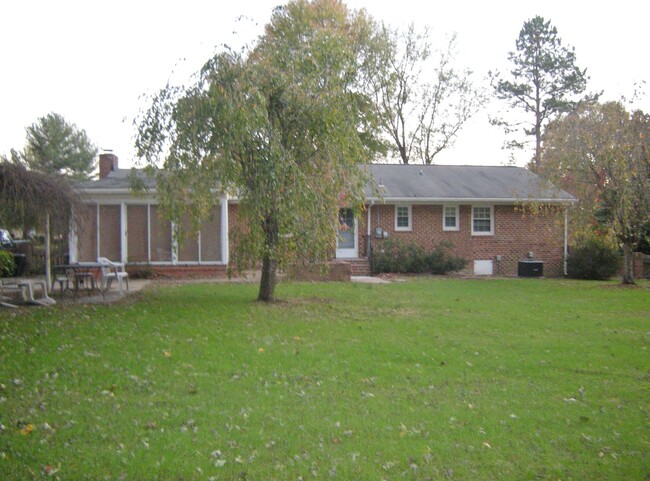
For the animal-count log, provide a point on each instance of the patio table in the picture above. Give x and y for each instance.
(81, 271)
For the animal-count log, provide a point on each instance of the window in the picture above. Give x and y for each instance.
(402, 217)
(450, 217)
(482, 220)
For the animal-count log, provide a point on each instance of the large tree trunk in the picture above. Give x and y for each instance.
(628, 259)
(269, 259)
(268, 280)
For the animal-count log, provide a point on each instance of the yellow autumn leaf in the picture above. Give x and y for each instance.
(27, 429)
(167, 353)
(260, 350)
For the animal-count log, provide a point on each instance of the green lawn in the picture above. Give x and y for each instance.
(425, 379)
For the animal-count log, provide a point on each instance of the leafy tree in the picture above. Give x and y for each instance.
(544, 81)
(423, 100)
(283, 127)
(601, 153)
(55, 146)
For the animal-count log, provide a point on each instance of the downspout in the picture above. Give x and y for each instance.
(566, 240)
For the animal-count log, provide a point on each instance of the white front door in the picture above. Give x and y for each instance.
(347, 242)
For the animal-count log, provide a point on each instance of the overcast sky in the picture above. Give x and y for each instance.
(92, 62)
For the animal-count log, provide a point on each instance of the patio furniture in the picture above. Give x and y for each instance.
(28, 288)
(111, 271)
(8, 287)
(81, 274)
(63, 279)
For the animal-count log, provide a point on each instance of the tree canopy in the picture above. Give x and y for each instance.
(54, 146)
(283, 127)
(601, 154)
(422, 99)
(544, 81)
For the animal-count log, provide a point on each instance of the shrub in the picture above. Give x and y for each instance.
(442, 261)
(398, 257)
(593, 259)
(7, 264)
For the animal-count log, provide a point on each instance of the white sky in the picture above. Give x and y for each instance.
(93, 61)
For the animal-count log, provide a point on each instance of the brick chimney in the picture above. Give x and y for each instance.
(107, 164)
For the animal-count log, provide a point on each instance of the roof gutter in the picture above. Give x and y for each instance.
(467, 200)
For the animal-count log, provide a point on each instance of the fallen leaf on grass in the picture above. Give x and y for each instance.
(27, 429)
(51, 471)
(167, 354)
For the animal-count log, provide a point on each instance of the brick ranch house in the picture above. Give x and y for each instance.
(478, 209)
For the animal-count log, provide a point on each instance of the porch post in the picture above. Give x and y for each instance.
(369, 238)
(174, 244)
(124, 234)
(73, 240)
(225, 248)
(48, 259)
(566, 240)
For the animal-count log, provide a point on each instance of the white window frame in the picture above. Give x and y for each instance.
(445, 227)
(483, 233)
(410, 217)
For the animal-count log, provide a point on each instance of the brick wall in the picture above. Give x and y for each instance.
(180, 271)
(336, 271)
(515, 235)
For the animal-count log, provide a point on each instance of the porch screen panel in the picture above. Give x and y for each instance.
(110, 234)
(87, 234)
(211, 236)
(188, 247)
(137, 233)
(161, 236)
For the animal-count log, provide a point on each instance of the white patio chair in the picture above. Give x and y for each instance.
(8, 287)
(112, 271)
(29, 291)
(26, 287)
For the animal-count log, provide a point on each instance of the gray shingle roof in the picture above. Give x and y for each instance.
(412, 183)
(118, 180)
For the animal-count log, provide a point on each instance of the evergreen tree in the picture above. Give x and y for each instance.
(544, 81)
(57, 147)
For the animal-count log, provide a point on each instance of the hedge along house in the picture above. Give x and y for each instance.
(478, 209)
